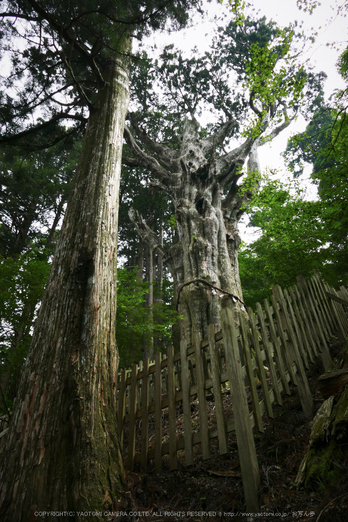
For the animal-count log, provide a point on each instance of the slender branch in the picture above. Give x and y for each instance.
(342, 111)
(50, 97)
(145, 232)
(61, 30)
(130, 162)
(277, 130)
(77, 83)
(216, 139)
(222, 293)
(147, 161)
(329, 504)
(60, 138)
(29, 107)
(252, 105)
(37, 128)
(164, 152)
(12, 14)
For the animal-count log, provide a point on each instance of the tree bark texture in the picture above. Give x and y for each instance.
(204, 191)
(62, 450)
(326, 460)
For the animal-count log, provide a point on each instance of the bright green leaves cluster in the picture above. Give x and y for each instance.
(237, 8)
(22, 282)
(172, 222)
(250, 74)
(343, 65)
(273, 75)
(34, 187)
(21, 279)
(324, 144)
(137, 324)
(291, 242)
(333, 192)
(298, 236)
(309, 147)
(249, 186)
(307, 5)
(33, 184)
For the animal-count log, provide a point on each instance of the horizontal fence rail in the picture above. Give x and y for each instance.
(162, 406)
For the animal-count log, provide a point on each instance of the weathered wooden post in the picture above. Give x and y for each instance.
(145, 415)
(186, 404)
(173, 459)
(158, 414)
(132, 418)
(203, 415)
(216, 378)
(292, 350)
(244, 433)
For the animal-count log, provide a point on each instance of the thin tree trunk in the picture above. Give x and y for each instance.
(23, 326)
(62, 447)
(159, 281)
(148, 352)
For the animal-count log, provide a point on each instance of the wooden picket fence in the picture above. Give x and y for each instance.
(275, 346)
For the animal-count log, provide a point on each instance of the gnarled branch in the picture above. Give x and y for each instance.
(232, 160)
(166, 154)
(277, 130)
(145, 232)
(149, 162)
(212, 142)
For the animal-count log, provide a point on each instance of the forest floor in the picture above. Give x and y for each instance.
(212, 490)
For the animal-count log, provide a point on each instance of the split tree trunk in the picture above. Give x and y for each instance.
(62, 450)
(204, 262)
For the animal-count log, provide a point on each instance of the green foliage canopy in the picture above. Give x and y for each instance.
(59, 52)
(138, 324)
(291, 243)
(22, 282)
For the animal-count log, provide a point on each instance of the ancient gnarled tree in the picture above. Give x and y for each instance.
(253, 89)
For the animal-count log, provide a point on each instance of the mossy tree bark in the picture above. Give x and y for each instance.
(62, 450)
(326, 461)
(208, 207)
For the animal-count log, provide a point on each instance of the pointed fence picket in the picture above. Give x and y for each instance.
(162, 405)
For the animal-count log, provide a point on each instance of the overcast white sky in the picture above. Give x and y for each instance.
(328, 20)
(331, 28)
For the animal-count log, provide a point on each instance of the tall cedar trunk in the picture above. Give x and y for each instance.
(62, 450)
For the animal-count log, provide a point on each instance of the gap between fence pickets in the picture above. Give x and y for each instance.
(245, 440)
(193, 389)
(305, 311)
